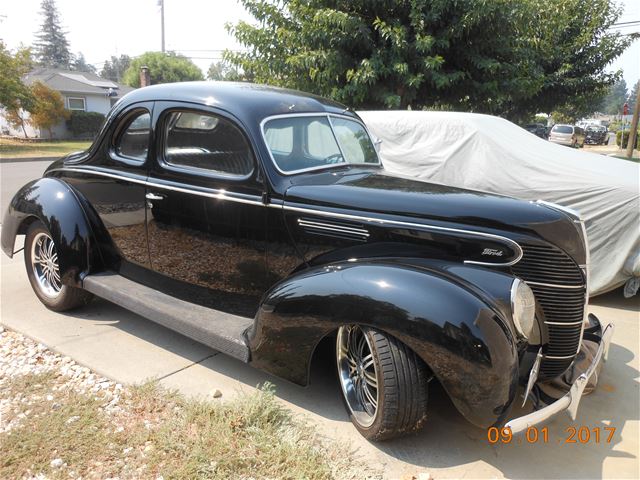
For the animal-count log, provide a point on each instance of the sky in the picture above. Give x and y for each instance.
(194, 28)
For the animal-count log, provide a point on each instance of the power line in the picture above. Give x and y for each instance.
(625, 23)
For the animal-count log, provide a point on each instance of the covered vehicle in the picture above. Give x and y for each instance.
(487, 153)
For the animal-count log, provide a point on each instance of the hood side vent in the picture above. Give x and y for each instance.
(332, 228)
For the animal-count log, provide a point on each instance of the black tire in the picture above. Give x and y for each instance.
(67, 297)
(403, 379)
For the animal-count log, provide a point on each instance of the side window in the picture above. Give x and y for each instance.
(133, 142)
(207, 143)
(320, 140)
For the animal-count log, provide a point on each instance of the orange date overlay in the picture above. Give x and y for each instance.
(580, 435)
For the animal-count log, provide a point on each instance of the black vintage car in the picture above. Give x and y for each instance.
(260, 221)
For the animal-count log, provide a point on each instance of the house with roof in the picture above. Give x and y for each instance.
(81, 91)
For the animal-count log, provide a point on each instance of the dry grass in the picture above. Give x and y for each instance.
(160, 433)
(16, 149)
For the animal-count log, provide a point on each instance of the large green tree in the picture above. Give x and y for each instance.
(163, 68)
(115, 67)
(51, 46)
(615, 98)
(505, 57)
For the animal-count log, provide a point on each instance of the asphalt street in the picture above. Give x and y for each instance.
(131, 349)
(14, 174)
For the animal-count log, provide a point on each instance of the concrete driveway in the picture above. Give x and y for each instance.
(130, 349)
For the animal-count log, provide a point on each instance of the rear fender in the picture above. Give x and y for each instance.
(56, 205)
(457, 330)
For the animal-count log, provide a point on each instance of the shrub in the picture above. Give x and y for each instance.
(85, 124)
(625, 140)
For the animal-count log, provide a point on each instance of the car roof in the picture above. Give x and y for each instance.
(245, 100)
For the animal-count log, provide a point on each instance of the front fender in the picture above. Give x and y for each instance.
(460, 333)
(55, 204)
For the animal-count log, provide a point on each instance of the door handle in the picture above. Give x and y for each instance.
(154, 196)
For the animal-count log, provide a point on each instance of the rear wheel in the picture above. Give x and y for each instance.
(43, 269)
(384, 383)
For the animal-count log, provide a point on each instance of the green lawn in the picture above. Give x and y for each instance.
(15, 149)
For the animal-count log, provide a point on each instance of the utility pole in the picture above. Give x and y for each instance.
(161, 2)
(634, 127)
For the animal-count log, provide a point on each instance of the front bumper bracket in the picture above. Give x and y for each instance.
(571, 399)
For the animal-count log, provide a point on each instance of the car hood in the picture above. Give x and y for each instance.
(378, 192)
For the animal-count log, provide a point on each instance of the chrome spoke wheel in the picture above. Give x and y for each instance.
(44, 262)
(358, 373)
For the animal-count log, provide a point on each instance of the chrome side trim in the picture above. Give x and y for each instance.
(540, 284)
(333, 228)
(417, 226)
(101, 173)
(571, 400)
(255, 200)
(209, 192)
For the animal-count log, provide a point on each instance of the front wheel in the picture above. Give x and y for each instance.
(384, 383)
(43, 269)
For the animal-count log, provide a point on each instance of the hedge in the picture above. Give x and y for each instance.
(85, 124)
(626, 139)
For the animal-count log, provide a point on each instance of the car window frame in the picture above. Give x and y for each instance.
(122, 124)
(264, 121)
(201, 172)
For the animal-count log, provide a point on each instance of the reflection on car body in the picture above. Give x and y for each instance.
(263, 223)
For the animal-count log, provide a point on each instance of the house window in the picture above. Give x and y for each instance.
(76, 103)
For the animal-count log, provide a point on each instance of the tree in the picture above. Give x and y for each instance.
(222, 70)
(48, 108)
(163, 68)
(571, 45)
(615, 98)
(80, 64)
(633, 96)
(14, 67)
(114, 68)
(487, 56)
(15, 96)
(52, 47)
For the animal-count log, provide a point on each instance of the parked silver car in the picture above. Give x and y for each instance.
(570, 135)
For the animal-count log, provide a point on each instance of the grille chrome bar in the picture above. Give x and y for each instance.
(559, 286)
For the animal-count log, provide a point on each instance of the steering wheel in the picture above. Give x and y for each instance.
(335, 158)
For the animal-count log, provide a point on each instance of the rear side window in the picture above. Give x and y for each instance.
(206, 143)
(562, 129)
(133, 143)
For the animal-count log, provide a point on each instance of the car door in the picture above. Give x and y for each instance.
(206, 218)
(113, 180)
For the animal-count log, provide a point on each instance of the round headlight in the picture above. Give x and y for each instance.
(523, 307)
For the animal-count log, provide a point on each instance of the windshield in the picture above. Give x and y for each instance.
(562, 129)
(301, 142)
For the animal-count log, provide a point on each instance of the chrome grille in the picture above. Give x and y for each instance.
(559, 286)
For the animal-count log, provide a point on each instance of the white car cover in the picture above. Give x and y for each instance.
(490, 154)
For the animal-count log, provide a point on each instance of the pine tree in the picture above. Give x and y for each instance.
(52, 47)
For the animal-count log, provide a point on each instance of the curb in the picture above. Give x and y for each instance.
(27, 159)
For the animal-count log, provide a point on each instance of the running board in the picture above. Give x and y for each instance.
(221, 331)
